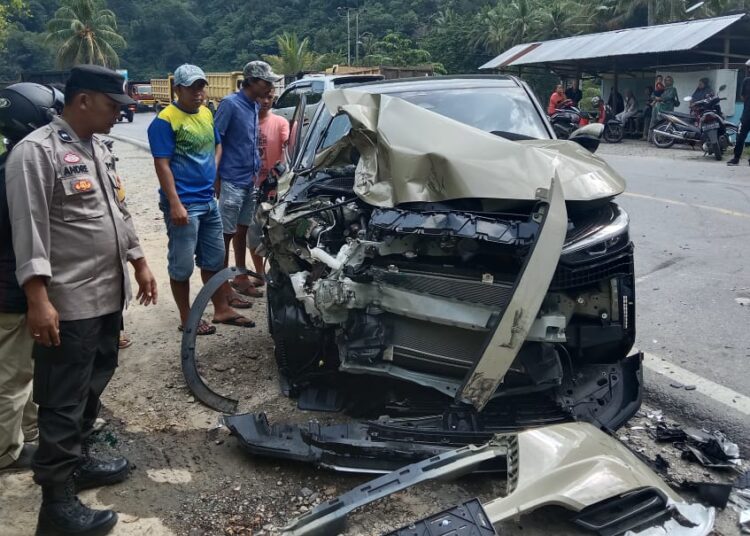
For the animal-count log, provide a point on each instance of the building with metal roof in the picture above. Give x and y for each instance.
(720, 42)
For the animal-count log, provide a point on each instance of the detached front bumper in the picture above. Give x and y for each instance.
(608, 396)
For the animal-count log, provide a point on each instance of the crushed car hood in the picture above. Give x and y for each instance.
(410, 154)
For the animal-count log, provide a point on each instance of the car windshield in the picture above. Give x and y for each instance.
(495, 109)
(144, 90)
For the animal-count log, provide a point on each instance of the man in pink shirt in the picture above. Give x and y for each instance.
(273, 137)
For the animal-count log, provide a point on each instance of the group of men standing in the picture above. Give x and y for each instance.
(199, 157)
(67, 236)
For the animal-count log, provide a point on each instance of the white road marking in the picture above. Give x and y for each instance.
(725, 211)
(712, 390)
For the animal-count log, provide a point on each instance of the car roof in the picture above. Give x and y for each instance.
(431, 83)
(331, 80)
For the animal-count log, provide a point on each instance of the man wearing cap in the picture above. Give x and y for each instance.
(72, 237)
(237, 123)
(739, 145)
(186, 149)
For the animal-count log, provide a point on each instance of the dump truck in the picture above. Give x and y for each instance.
(220, 85)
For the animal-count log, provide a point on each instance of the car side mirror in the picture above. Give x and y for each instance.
(588, 136)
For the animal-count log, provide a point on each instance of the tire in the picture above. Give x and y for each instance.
(713, 144)
(130, 117)
(663, 142)
(613, 132)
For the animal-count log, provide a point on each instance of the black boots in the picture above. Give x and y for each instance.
(734, 162)
(94, 473)
(62, 514)
(24, 460)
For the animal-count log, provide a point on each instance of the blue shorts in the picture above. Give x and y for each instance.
(199, 243)
(236, 206)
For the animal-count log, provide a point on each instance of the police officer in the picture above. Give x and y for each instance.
(72, 237)
(23, 108)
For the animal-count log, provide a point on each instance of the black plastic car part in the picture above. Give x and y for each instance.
(330, 517)
(349, 447)
(623, 513)
(194, 381)
(467, 519)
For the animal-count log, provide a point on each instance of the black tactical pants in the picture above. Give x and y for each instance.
(68, 380)
(742, 134)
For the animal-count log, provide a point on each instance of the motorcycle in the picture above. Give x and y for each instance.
(705, 124)
(613, 128)
(567, 119)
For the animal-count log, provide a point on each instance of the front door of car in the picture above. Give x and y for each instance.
(297, 129)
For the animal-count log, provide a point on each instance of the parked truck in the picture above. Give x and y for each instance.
(220, 85)
(141, 93)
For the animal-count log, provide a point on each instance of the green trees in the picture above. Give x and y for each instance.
(85, 32)
(8, 8)
(294, 55)
(296, 35)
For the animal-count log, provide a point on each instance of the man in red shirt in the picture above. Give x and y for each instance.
(556, 99)
(273, 137)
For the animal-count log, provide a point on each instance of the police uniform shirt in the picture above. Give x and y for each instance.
(69, 222)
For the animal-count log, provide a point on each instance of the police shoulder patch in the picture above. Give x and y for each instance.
(64, 136)
(4, 103)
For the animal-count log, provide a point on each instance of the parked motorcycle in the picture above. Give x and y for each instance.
(705, 124)
(614, 130)
(567, 119)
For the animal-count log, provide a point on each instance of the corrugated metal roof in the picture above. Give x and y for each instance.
(649, 39)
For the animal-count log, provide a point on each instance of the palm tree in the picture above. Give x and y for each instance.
(294, 55)
(85, 32)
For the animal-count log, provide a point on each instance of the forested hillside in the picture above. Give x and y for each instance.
(457, 35)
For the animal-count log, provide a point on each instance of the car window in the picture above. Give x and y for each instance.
(488, 109)
(289, 98)
(497, 109)
(313, 93)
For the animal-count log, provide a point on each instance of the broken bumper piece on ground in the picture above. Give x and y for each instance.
(574, 465)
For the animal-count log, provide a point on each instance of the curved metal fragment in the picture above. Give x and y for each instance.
(193, 379)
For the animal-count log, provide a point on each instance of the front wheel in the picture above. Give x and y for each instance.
(663, 142)
(713, 144)
(613, 132)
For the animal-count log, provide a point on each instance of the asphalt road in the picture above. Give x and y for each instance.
(690, 221)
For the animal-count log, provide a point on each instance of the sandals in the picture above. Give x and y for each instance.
(249, 291)
(238, 321)
(204, 328)
(124, 342)
(236, 302)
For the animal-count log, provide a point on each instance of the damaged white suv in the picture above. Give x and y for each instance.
(436, 253)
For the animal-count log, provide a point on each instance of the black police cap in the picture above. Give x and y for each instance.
(100, 79)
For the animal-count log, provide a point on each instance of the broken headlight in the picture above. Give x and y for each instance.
(599, 239)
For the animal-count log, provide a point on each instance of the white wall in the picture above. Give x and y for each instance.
(684, 82)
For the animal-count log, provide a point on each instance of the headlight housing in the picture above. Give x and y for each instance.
(599, 238)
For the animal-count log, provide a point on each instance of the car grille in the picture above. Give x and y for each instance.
(495, 294)
(606, 267)
(426, 346)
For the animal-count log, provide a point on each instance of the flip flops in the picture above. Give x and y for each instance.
(238, 321)
(238, 303)
(204, 328)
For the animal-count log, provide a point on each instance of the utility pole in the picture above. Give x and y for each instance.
(348, 40)
(340, 10)
(356, 40)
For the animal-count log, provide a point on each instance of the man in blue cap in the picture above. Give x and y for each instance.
(237, 123)
(187, 148)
